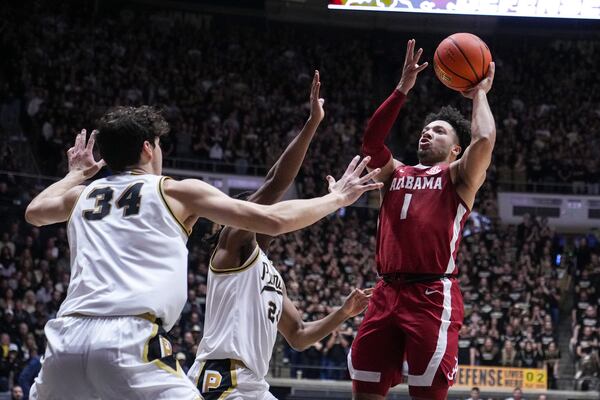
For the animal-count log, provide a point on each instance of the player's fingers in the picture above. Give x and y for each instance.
(370, 175)
(371, 186)
(79, 140)
(321, 102)
(92, 140)
(408, 54)
(361, 167)
(330, 182)
(422, 67)
(417, 56)
(492, 70)
(352, 165)
(368, 290)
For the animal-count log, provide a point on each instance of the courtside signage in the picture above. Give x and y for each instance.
(501, 377)
(582, 9)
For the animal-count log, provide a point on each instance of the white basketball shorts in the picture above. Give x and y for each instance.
(109, 358)
(228, 380)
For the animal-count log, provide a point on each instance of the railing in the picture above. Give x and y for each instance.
(326, 389)
(575, 188)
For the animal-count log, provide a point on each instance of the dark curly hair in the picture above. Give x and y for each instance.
(122, 132)
(461, 125)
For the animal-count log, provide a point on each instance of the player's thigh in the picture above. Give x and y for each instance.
(228, 379)
(432, 338)
(63, 364)
(138, 364)
(375, 360)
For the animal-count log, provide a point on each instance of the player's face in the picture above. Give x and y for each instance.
(438, 141)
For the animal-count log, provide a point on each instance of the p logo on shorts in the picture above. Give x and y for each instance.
(212, 380)
(217, 379)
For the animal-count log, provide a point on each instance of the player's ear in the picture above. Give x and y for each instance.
(147, 152)
(456, 150)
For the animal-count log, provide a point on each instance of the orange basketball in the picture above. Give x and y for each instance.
(461, 61)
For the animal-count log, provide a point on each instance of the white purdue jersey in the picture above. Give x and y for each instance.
(243, 308)
(128, 252)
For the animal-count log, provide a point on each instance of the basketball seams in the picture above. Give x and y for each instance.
(441, 62)
(464, 56)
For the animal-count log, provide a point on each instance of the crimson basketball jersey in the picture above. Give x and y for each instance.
(420, 222)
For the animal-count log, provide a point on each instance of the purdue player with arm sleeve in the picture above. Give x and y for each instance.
(127, 237)
(247, 304)
(416, 310)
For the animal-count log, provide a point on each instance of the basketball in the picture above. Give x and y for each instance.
(461, 61)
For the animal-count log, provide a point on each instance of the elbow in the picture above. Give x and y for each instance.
(486, 141)
(279, 227)
(298, 344)
(31, 216)
(275, 225)
(300, 347)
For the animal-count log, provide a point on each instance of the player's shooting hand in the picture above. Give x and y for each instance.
(351, 185)
(411, 67)
(81, 156)
(356, 302)
(485, 84)
(317, 113)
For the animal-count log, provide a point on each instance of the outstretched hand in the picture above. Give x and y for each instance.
(81, 155)
(411, 67)
(351, 185)
(356, 302)
(485, 84)
(316, 103)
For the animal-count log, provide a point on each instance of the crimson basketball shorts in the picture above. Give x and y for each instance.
(413, 322)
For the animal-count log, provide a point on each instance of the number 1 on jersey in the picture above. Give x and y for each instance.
(405, 205)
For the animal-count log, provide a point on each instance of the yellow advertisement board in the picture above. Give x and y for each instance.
(501, 377)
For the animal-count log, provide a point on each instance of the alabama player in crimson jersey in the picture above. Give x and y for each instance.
(416, 310)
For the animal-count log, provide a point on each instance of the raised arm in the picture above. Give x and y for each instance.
(191, 198)
(232, 240)
(55, 203)
(384, 117)
(284, 171)
(472, 166)
(300, 335)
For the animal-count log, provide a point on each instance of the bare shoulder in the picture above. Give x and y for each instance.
(179, 195)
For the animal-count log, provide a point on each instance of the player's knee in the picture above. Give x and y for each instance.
(368, 390)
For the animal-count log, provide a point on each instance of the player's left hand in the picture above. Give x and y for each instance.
(317, 112)
(81, 155)
(356, 302)
(485, 84)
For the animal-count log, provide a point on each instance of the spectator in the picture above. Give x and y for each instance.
(17, 393)
(517, 394)
(474, 394)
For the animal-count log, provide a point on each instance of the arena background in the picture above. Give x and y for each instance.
(233, 77)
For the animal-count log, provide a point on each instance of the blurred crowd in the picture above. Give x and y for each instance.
(235, 93)
(584, 345)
